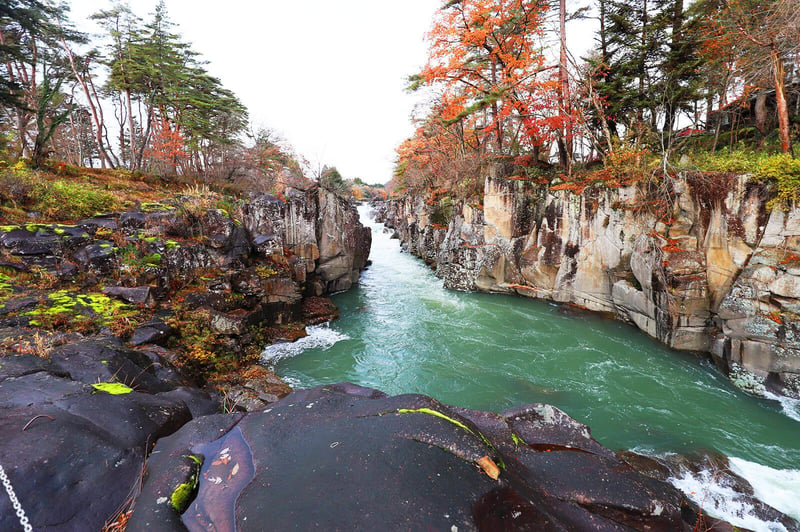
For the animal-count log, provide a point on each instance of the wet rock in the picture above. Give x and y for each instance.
(30, 243)
(710, 469)
(140, 295)
(93, 224)
(154, 331)
(67, 271)
(63, 430)
(19, 305)
(362, 460)
(98, 257)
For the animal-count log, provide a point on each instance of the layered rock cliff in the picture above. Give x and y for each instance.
(700, 264)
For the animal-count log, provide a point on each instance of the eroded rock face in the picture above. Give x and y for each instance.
(352, 458)
(322, 231)
(697, 270)
(73, 451)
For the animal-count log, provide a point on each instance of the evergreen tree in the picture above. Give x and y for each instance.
(190, 122)
(33, 71)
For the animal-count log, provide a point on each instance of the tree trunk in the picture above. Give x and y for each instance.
(498, 126)
(94, 107)
(760, 111)
(131, 131)
(673, 96)
(565, 140)
(780, 99)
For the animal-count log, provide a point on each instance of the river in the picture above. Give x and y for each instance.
(401, 332)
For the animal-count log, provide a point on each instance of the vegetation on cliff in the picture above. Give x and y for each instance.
(60, 88)
(667, 87)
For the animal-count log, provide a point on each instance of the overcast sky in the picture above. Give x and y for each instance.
(328, 76)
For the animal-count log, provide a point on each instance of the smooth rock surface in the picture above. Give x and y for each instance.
(351, 458)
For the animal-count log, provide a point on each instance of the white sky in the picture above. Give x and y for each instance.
(328, 76)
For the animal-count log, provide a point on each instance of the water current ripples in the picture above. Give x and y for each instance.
(401, 332)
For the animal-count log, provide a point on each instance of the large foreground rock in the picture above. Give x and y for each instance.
(349, 458)
(73, 451)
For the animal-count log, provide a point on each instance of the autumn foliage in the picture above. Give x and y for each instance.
(495, 94)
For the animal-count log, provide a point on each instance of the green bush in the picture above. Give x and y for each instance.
(784, 171)
(736, 161)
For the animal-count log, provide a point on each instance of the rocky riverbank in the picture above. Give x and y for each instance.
(701, 265)
(208, 287)
(118, 329)
(131, 396)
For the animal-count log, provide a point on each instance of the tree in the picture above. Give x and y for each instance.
(152, 69)
(768, 35)
(17, 17)
(123, 30)
(486, 59)
(272, 164)
(34, 70)
(333, 181)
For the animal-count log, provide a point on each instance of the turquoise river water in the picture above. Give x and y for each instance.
(401, 332)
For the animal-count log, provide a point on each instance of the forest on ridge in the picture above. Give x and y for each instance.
(708, 85)
(664, 79)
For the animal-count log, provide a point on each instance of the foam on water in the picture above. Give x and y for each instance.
(780, 488)
(319, 337)
(718, 499)
(791, 407)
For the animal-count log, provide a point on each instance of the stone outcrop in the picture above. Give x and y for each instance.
(211, 287)
(321, 231)
(351, 458)
(74, 435)
(702, 265)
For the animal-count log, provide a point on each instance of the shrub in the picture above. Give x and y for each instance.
(784, 171)
(725, 161)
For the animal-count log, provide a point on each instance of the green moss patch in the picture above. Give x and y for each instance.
(435, 413)
(64, 304)
(184, 493)
(113, 388)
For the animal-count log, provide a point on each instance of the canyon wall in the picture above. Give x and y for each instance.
(702, 265)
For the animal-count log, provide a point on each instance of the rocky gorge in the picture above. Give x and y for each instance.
(132, 398)
(702, 265)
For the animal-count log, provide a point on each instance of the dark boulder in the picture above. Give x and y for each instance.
(74, 435)
(154, 331)
(351, 458)
(139, 295)
(105, 222)
(98, 257)
(26, 243)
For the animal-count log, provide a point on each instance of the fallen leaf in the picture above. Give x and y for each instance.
(489, 467)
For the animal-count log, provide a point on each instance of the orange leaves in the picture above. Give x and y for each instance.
(485, 58)
(168, 145)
